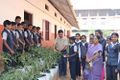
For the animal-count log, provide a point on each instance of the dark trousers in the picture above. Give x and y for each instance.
(111, 74)
(78, 67)
(103, 55)
(72, 66)
(62, 66)
(83, 63)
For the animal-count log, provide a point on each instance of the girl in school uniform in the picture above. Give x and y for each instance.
(84, 48)
(72, 58)
(112, 57)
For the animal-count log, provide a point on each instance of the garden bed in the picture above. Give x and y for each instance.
(37, 63)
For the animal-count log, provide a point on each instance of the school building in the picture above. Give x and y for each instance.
(89, 20)
(106, 19)
(49, 15)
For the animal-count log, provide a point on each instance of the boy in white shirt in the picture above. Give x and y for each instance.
(8, 43)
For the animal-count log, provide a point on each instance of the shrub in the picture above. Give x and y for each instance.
(29, 65)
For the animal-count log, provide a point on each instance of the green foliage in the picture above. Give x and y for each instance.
(29, 65)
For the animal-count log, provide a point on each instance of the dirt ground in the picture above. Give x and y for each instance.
(56, 77)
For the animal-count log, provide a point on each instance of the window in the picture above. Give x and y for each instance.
(28, 17)
(47, 24)
(55, 31)
(55, 14)
(46, 7)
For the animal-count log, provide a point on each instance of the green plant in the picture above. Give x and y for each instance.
(29, 64)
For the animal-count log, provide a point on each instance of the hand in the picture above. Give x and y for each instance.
(31, 45)
(90, 65)
(87, 60)
(12, 52)
(17, 45)
(66, 56)
(23, 44)
(116, 70)
(57, 50)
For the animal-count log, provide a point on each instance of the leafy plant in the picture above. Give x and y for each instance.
(30, 64)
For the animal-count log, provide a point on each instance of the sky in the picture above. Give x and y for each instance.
(96, 4)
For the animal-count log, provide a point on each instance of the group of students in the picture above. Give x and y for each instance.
(84, 56)
(19, 37)
(89, 57)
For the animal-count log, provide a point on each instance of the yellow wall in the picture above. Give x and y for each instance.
(11, 8)
(37, 8)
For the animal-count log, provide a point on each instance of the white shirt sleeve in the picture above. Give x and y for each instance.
(17, 35)
(32, 36)
(25, 33)
(119, 57)
(79, 52)
(75, 48)
(4, 36)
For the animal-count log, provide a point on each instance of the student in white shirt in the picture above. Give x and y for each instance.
(28, 37)
(17, 19)
(14, 34)
(112, 57)
(72, 58)
(35, 36)
(78, 59)
(7, 38)
(21, 41)
(84, 49)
